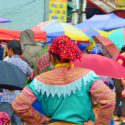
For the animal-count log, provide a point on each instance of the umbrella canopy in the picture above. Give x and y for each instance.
(101, 65)
(109, 48)
(42, 26)
(118, 37)
(3, 20)
(94, 32)
(103, 22)
(6, 34)
(11, 77)
(59, 29)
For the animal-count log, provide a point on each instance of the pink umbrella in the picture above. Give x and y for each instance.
(41, 26)
(103, 66)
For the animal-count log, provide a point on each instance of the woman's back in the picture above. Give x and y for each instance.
(69, 102)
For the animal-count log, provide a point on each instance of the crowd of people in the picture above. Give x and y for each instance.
(63, 95)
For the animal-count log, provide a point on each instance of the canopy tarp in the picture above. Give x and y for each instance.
(24, 14)
(6, 34)
(103, 22)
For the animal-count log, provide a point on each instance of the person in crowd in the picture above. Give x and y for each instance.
(14, 52)
(120, 90)
(1, 52)
(31, 51)
(65, 92)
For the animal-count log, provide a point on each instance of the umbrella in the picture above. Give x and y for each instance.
(11, 77)
(42, 26)
(94, 32)
(103, 22)
(59, 29)
(82, 46)
(109, 48)
(3, 20)
(118, 37)
(101, 65)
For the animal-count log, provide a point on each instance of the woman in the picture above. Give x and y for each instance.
(120, 85)
(31, 50)
(65, 92)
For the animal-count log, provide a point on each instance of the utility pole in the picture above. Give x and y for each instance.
(79, 12)
(82, 11)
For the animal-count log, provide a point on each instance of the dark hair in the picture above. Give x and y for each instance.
(15, 46)
(59, 58)
(122, 49)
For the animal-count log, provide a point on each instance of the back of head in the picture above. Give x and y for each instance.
(27, 37)
(15, 46)
(63, 48)
(122, 49)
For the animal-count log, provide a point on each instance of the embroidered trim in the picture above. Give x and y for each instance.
(63, 90)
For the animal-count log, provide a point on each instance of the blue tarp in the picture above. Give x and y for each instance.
(103, 22)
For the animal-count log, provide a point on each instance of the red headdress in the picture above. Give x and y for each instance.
(65, 48)
(4, 118)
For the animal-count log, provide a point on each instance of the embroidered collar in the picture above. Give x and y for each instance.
(62, 65)
(64, 89)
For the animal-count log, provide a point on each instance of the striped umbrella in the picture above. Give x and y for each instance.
(59, 29)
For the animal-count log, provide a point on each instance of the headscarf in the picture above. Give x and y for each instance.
(65, 48)
(27, 38)
(4, 118)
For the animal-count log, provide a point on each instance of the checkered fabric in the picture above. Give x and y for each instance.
(9, 96)
(21, 64)
(43, 62)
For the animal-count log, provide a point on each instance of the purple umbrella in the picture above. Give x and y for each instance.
(3, 20)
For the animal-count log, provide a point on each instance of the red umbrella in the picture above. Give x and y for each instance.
(110, 49)
(102, 65)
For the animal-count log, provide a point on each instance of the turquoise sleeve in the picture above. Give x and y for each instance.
(32, 87)
(92, 77)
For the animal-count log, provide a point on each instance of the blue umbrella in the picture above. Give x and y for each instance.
(59, 29)
(82, 46)
(91, 33)
(3, 20)
(103, 22)
(11, 77)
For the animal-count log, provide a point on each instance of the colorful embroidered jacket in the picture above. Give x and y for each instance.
(66, 95)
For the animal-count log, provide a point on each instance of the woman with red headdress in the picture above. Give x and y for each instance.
(65, 92)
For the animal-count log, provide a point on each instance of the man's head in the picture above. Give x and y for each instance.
(14, 48)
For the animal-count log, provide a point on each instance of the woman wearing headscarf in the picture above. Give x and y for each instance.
(31, 51)
(66, 92)
(120, 90)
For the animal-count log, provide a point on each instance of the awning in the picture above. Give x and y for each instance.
(106, 8)
(7, 35)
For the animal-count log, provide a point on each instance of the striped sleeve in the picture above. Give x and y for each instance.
(23, 107)
(106, 102)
